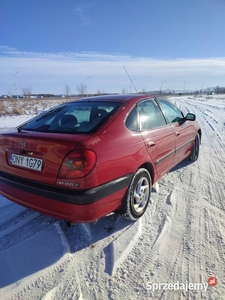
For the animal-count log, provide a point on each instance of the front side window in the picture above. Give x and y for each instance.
(172, 113)
(74, 117)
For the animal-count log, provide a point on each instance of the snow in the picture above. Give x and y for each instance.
(181, 237)
(7, 123)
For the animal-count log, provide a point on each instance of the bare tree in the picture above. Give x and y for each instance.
(82, 89)
(101, 92)
(217, 89)
(123, 91)
(27, 92)
(67, 91)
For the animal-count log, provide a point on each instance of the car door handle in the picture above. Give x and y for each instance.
(150, 144)
(177, 133)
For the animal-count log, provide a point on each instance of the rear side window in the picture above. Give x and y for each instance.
(131, 121)
(75, 117)
(145, 116)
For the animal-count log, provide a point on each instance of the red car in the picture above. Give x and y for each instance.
(87, 158)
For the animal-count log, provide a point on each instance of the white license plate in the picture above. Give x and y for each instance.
(26, 162)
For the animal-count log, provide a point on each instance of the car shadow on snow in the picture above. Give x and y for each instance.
(50, 241)
(83, 235)
(31, 247)
(112, 236)
(181, 165)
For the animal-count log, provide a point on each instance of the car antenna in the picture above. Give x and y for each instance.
(130, 80)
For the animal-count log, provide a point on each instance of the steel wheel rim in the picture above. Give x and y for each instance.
(141, 195)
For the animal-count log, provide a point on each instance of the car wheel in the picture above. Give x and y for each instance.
(137, 196)
(195, 150)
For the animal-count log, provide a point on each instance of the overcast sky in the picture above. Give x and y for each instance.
(53, 43)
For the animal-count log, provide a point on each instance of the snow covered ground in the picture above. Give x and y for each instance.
(180, 241)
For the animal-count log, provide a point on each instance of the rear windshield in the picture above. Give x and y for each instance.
(74, 117)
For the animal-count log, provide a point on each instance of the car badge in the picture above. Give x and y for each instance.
(22, 144)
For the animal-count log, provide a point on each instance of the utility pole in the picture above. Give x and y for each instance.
(201, 87)
(16, 84)
(160, 91)
(184, 86)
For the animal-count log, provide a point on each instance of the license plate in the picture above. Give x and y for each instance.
(26, 162)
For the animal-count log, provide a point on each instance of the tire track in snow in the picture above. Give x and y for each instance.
(26, 225)
(156, 252)
(87, 278)
(186, 260)
(211, 210)
(44, 280)
(214, 120)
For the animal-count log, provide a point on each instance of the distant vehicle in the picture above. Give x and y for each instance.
(85, 159)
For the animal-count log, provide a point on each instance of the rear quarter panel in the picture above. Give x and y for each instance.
(119, 151)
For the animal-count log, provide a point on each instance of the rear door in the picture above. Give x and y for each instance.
(159, 137)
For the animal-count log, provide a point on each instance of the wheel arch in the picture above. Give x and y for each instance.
(200, 134)
(148, 166)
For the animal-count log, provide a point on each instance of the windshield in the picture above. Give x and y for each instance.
(74, 117)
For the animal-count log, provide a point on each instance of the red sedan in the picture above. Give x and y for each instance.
(84, 159)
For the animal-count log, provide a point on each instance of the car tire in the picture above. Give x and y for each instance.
(195, 150)
(137, 196)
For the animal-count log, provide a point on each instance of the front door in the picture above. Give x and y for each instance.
(184, 131)
(158, 136)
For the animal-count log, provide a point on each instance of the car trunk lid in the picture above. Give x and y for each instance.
(34, 155)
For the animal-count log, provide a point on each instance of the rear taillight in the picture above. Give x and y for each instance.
(77, 163)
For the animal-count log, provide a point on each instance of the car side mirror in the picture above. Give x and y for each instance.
(190, 117)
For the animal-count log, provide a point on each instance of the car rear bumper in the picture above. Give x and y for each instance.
(72, 205)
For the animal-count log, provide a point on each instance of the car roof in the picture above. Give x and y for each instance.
(120, 98)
